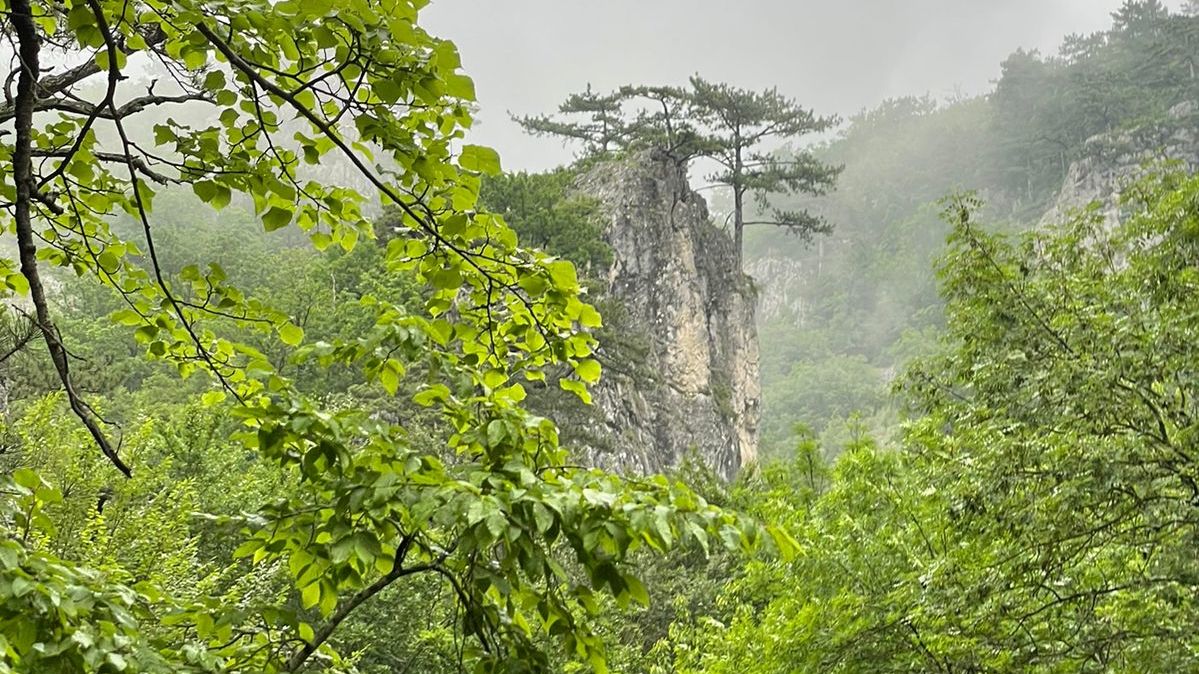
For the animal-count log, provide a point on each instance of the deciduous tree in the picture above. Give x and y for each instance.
(479, 498)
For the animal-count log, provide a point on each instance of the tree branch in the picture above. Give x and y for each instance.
(326, 631)
(114, 74)
(131, 107)
(115, 158)
(21, 17)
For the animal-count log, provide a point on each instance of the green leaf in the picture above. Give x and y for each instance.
(576, 387)
(213, 194)
(460, 86)
(480, 159)
(543, 517)
(589, 317)
(276, 217)
(588, 370)
(195, 58)
(389, 375)
(27, 478)
(17, 283)
(496, 524)
(214, 80)
(431, 395)
(496, 432)
(291, 334)
(310, 595)
(564, 275)
(494, 379)
(637, 590)
(786, 544)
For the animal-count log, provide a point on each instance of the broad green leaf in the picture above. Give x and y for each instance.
(480, 159)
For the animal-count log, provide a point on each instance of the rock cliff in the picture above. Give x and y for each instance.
(680, 348)
(1111, 161)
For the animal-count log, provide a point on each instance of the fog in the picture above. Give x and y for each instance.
(836, 56)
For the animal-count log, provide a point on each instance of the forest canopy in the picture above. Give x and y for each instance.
(273, 333)
(425, 465)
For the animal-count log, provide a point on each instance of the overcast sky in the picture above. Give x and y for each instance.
(836, 56)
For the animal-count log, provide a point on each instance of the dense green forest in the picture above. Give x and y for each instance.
(277, 342)
(864, 300)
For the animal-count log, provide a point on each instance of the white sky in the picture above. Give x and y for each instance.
(837, 56)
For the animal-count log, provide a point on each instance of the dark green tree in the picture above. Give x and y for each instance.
(546, 214)
(601, 126)
(1137, 17)
(731, 126)
(739, 124)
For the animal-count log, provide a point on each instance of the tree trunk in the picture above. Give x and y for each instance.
(738, 225)
(738, 201)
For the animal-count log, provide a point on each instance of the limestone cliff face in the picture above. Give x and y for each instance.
(1114, 160)
(680, 347)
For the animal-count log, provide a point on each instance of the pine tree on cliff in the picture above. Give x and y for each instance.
(740, 124)
(603, 130)
(733, 127)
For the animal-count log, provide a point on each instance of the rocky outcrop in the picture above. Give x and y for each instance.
(680, 349)
(1112, 161)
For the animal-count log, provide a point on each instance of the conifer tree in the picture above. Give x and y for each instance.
(731, 126)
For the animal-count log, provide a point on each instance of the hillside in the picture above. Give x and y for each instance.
(841, 316)
(296, 379)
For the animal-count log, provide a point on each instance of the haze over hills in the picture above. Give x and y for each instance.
(836, 57)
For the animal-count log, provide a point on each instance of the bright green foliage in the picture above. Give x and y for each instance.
(1043, 517)
(56, 616)
(1069, 388)
(427, 465)
(838, 606)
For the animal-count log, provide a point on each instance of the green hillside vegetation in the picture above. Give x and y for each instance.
(274, 382)
(869, 298)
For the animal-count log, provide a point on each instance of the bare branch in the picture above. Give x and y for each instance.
(138, 162)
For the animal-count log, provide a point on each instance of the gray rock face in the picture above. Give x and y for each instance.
(783, 280)
(680, 348)
(1114, 160)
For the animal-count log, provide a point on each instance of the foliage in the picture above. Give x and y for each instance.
(835, 314)
(1119, 93)
(725, 124)
(415, 459)
(348, 476)
(1041, 517)
(1071, 374)
(846, 384)
(1047, 109)
(602, 130)
(544, 212)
